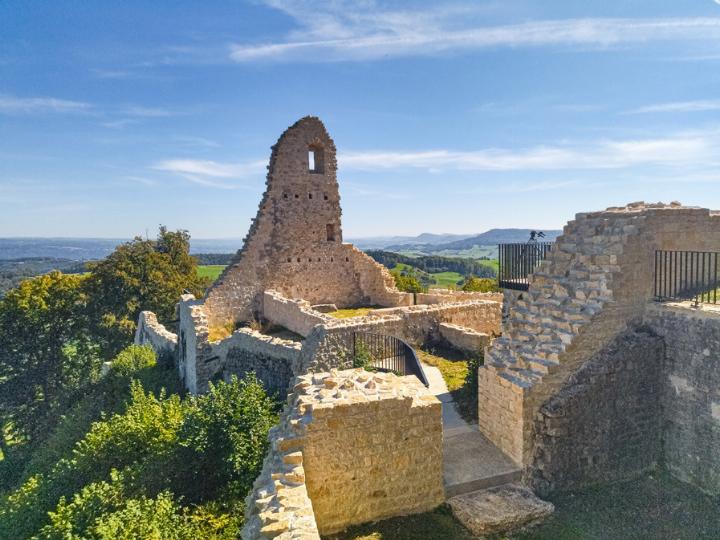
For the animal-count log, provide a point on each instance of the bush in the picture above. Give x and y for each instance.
(164, 464)
(407, 282)
(476, 284)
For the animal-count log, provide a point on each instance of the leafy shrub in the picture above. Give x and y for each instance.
(363, 357)
(148, 468)
(476, 284)
(407, 282)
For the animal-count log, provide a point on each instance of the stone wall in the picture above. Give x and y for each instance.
(270, 358)
(295, 315)
(325, 346)
(351, 447)
(444, 296)
(294, 245)
(150, 332)
(597, 278)
(605, 423)
(464, 338)
(691, 392)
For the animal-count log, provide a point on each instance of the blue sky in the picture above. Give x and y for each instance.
(448, 116)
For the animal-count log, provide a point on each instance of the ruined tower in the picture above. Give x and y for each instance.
(295, 244)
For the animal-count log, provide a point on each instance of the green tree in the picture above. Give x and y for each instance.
(476, 284)
(45, 352)
(139, 275)
(407, 282)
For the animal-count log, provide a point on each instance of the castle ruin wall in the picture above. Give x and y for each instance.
(351, 447)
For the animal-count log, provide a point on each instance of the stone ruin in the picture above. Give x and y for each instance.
(590, 380)
(293, 268)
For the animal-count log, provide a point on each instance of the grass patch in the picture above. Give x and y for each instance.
(220, 332)
(459, 370)
(439, 524)
(210, 271)
(652, 506)
(447, 279)
(351, 312)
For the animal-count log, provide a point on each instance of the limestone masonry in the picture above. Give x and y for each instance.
(351, 447)
(597, 279)
(590, 379)
(292, 269)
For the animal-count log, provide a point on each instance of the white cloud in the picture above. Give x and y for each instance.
(344, 31)
(32, 105)
(680, 106)
(148, 112)
(207, 173)
(600, 155)
(672, 153)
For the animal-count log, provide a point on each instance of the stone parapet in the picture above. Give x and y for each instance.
(150, 332)
(444, 296)
(464, 338)
(351, 447)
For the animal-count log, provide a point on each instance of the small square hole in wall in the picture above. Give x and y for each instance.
(297, 196)
(289, 259)
(298, 259)
(347, 259)
(284, 195)
(309, 195)
(325, 196)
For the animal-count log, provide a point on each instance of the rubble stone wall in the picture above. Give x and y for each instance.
(351, 447)
(294, 245)
(691, 392)
(595, 280)
(444, 296)
(463, 338)
(295, 315)
(270, 358)
(325, 346)
(605, 423)
(150, 332)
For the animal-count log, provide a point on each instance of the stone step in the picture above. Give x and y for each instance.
(472, 462)
(500, 510)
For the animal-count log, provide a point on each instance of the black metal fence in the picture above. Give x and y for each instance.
(517, 261)
(687, 275)
(384, 353)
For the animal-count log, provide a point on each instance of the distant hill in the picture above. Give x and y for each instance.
(88, 249)
(489, 238)
(380, 242)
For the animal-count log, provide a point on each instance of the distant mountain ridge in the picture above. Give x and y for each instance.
(379, 242)
(488, 238)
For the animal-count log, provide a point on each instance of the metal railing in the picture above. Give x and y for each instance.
(517, 261)
(384, 353)
(687, 275)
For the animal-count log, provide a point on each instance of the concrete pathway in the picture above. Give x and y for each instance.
(470, 461)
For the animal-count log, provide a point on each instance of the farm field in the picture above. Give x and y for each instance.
(211, 271)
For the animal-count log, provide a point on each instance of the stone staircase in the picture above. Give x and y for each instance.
(566, 292)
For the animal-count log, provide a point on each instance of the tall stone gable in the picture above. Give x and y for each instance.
(294, 245)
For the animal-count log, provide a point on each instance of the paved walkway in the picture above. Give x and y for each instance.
(470, 461)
